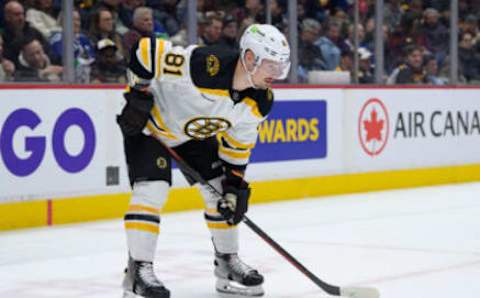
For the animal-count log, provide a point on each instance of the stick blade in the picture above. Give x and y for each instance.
(354, 292)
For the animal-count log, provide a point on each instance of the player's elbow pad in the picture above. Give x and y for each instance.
(136, 112)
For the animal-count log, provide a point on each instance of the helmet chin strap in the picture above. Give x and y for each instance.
(249, 73)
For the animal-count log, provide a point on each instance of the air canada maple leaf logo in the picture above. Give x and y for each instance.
(373, 127)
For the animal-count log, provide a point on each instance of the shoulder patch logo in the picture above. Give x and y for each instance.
(213, 65)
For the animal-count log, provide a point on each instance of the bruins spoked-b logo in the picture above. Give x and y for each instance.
(202, 127)
(162, 162)
(213, 65)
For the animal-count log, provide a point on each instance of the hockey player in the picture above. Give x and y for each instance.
(206, 103)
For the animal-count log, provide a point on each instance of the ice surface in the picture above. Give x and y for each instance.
(415, 243)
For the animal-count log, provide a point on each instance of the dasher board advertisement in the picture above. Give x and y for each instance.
(56, 143)
(401, 129)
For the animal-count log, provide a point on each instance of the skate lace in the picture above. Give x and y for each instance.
(148, 275)
(239, 267)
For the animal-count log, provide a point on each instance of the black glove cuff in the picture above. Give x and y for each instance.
(139, 100)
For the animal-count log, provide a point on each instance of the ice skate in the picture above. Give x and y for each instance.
(140, 281)
(235, 278)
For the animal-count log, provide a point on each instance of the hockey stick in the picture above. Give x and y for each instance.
(352, 292)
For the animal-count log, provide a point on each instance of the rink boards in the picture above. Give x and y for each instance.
(62, 154)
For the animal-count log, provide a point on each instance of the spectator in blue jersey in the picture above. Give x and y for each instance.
(83, 50)
(328, 45)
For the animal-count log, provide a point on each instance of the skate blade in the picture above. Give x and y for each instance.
(232, 289)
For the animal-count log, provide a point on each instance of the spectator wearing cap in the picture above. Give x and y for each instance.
(212, 30)
(7, 68)
(34, 64)
(109, 66)
(17, 29)
(328, 45)
(43, 17)
(434, 34)
(229, 33)
(365, 71)
(411, 72)
(142, 26)
(102, 26)
(84, 53)
(310, 56)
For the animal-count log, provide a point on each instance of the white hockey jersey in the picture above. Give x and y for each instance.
(193, 94)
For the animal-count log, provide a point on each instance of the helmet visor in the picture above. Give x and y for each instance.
(277, 70)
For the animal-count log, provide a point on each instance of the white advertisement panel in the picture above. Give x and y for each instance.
(389, 129)
(57, 143)
(302, 137)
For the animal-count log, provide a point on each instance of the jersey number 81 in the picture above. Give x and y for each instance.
(173, 64)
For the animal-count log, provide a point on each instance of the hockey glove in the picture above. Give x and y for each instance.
(234, 203)
(135, 114)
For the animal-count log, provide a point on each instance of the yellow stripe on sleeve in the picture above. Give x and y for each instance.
(157, 117)
(217, 92)
(158, 55)
(234, 154)
(154, 130)
(253, 105)
(145, 56)
(234, 142)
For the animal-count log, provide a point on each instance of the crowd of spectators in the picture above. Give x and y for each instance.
(416, 36)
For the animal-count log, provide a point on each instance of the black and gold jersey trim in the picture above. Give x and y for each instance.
(260, 100)
(143, 58)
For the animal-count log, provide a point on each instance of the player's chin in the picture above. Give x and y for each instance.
(267, 83)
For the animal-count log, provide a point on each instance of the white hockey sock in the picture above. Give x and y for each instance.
(142, 220)
(225, 237)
